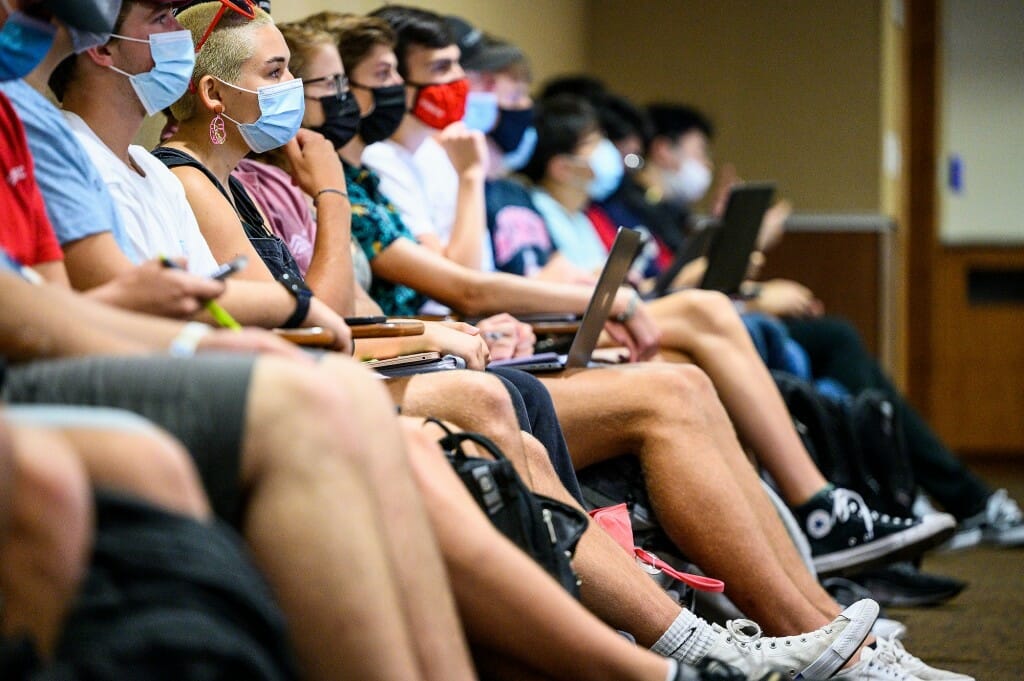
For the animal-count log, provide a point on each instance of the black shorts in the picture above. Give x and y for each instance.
(202, 401)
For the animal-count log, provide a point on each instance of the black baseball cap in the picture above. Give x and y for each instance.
(481, 51)
(95, 16)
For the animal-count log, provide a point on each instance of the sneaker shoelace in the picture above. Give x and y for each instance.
(893, 647)
(1003, 511)
(885, 658)
(844, 502)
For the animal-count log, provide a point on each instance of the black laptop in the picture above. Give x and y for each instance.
(729, 252)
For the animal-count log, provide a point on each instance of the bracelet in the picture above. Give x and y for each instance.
(187, 340)
(330, 190)
(630, 309)
(297, 288)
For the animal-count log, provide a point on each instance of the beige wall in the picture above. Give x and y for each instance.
(552, 32)
(793, 86)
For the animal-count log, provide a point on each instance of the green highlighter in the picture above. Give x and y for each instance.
(219, 314)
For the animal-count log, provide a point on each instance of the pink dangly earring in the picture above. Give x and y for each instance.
(218, 133)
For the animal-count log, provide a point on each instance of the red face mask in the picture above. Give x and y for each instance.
(439, 105)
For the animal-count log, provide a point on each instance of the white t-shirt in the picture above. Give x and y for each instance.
(157, 217)
(424, 187)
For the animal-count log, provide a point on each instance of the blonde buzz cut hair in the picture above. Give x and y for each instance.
(228, 47)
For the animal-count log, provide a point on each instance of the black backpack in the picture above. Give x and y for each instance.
(545, 528)
(857, 442)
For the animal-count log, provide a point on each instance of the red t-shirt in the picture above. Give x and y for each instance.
(25, 230)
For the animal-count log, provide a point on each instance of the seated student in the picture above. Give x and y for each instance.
(499, 81)
(679, 143)
(363, 40)
(99, 248)
(432, 166)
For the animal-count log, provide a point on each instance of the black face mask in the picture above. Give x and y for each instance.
(341, 118)
(512, 125)
(387, 114)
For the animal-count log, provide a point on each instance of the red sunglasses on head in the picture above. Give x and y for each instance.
(244, 7)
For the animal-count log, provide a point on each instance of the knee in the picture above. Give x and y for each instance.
(683, 393)
(170, 478)
(713, 312)
(48, 475)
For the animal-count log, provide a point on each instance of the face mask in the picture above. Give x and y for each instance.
(24, 42)
(341, 118)
(92, 14)
(387, 114)
(439, 105)
(606, 163)
(512, 125)
(282, 106)
(481, 111)
(689, 183)
(174, 59)
(520, 156)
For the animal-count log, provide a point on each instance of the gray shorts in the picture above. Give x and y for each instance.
(201, 401)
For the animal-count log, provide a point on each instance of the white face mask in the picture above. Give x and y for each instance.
(689, 183)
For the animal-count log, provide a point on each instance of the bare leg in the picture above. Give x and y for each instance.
(314, 528)
(418, 569)
(662, 415)
(705, 326)
(45, 555)
(509, 605)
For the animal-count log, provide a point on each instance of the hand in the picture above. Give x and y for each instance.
(466, 148)
(314, 162)
(785, 298)
(560, 269)
(251, 340)
(459, 339)
(639, 334)
(322, 315)
(163, 291)
(727, 179)
(507, 337)
(773, 225)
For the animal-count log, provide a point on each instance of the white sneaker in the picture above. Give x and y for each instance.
(875, 665)
(915, 665)
(814, 655)
(887, 628)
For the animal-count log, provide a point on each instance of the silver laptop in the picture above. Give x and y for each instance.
(624, 250)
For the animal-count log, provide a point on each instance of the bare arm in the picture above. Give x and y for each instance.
(315, 168)
(468, 153)
(94, 260)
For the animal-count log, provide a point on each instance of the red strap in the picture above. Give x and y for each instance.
(697, 582)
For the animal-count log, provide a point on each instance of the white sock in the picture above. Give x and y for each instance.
(673, 669)
(688, 639)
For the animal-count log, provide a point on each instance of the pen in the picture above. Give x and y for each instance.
(219, 314)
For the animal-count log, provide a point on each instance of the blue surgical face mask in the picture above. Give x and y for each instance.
(174, 58)
(520, 156)
(606, 163)
(481, 111)
(24, 42)
(282, 106)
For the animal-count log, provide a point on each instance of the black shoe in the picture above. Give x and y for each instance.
(902, 585)
(845, 535)
(710, 670)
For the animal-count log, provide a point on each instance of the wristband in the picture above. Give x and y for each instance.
(295, 286)
(187, 340)
(330, 190)
(630, 309)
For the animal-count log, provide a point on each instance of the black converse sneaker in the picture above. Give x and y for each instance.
(845, 534)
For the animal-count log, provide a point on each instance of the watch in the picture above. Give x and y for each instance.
(295, 286)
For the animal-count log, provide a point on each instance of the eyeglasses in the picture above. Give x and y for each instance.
(243, 7)
(336, 84)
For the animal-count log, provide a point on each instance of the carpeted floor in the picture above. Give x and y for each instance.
(981, 632)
